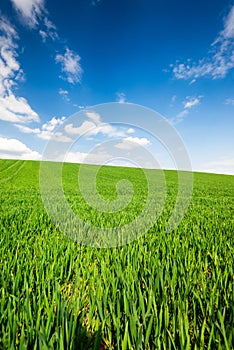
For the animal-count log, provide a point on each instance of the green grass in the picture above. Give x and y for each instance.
(164, 291)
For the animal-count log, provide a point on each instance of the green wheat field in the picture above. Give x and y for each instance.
(163, 291)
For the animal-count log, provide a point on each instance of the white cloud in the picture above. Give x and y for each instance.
(103, 128)
(103, 157)
(229, 101)
(191, 103)
(27, 130)
(188, 104)
(228, 31)
(180, 116)
(220, 166)
(29, 10)
(94, 127)
(143, 141)
(53, 123)
(12, 108)
(34, 15)
(130, 131)
(88, 158)
(47, 131)
(218, 62)
(132, 142)
(75, 157)
(56, 136)
(70, 66)
(86, 127)
(64, 94)
(121, 97)
(16, 109)
(43, 35)
(51, 30)
(15, 149)
(173, 100)
(95, 117)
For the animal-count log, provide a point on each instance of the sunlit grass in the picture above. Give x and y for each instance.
(163, 291)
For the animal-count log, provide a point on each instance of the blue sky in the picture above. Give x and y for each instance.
(175, 57)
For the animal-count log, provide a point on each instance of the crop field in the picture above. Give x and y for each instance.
(163, 291)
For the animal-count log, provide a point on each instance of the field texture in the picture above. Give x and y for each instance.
(164, 291)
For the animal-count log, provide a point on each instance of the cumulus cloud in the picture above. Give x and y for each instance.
(47, 131)
(56, 136)
(16, 109)
(94, 126)
(86, 127)
(132, 142)
(15, 149)
(70, 65)
(53, 123)
(95, 117)
(88, 158)
(219, 60)
(130, 131)
(12, 108)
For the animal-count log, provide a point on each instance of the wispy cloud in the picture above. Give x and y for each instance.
(70, 63)
(173, 101)
(51, 30)
(95, 2)
(121, 97)
(30, 11)
(192, 101)
(34, 15)
(223, 165)
(12, 107)
(189, 103)
(47, 131)
(15, 149)
(219, 60)
(229, 101)
(64, 94)
(180, 117)
(228, 31)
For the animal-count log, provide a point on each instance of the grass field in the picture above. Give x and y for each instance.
(164, 291)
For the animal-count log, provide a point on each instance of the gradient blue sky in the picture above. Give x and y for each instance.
(176, 57)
